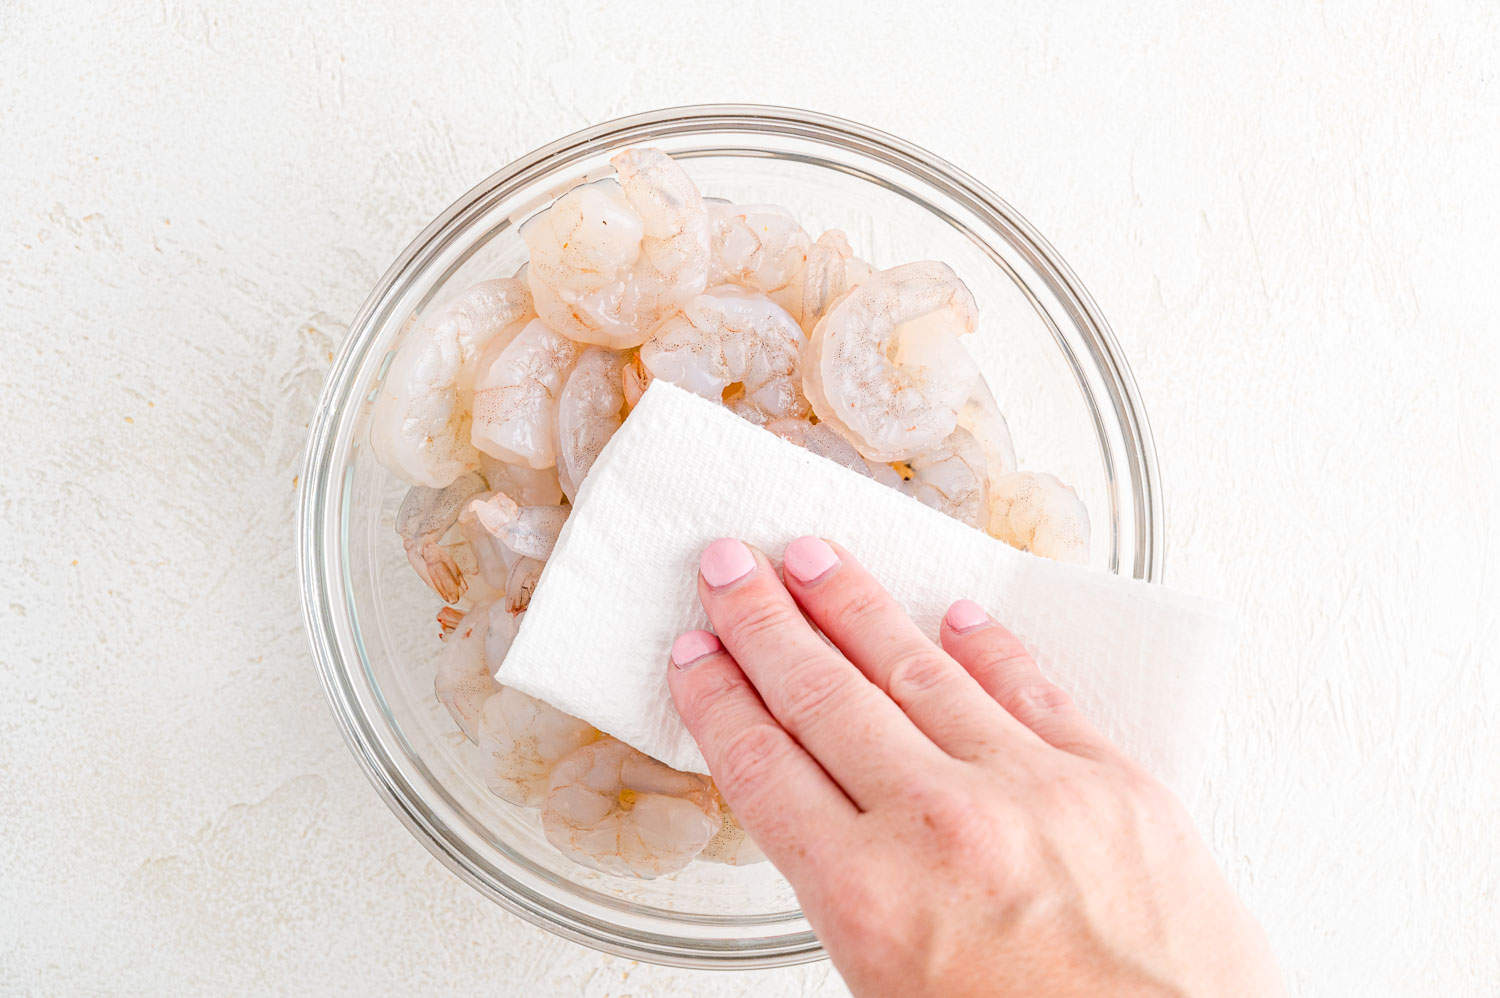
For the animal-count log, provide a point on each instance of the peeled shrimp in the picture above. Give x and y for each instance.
(500, 531)
(732, 845)
(466, 667)
(527, 486)
(824, 441)
(425, 516)
(1035, 512)
(735, 346)
(611, 808)
(951, 478)
(885, 366)
(760, 247)
(829, 270)
(610, 260)
(957, 476)
(515, 396)
(492, 558)
(522, 739)
(590, 409)
(419, 426)
(981, 416)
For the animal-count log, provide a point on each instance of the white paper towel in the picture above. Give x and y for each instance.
(1145, 663)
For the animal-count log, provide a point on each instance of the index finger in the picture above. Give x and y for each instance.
(783, 798)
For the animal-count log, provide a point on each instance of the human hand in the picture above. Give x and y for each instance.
(951, 823)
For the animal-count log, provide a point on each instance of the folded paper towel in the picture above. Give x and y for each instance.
(1145, 663)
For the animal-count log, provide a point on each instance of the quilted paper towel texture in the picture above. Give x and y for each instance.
(1144, 662)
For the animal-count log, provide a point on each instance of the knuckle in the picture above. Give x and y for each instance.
(756, 620)
(750, 757)
(869, 917)
(997, 655)
(962, 823)
(708, 692)
(1037, 701)
(918, 673)
(856, 606)
(809, 691)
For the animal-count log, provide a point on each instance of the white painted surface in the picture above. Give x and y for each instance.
(1289, 213)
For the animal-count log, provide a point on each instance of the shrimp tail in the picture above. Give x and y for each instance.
(438, 569)
(448, 619)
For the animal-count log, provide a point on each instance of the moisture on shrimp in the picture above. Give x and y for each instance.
(498, 403)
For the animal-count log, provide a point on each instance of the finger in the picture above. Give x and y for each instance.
(779, 794)
(1002, 665)
(853, 730)
(875, 633)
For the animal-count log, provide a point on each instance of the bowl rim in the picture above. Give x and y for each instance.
(313, 560)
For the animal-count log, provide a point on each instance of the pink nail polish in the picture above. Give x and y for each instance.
(692, 646)
(808, 558)
(966, 615)
(724, 561)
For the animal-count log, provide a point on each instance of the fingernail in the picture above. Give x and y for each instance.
(966, 615)
(724, 561)
(692, 646)
(808, 558)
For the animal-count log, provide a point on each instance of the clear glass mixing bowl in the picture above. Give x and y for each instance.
(1049, 356)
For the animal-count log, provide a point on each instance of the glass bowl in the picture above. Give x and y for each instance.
(1047, 352)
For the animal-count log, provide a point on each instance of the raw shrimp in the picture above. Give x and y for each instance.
(958, 475)
(499, 531)
(732, 845)
(885, 366)
(527, 486)
(760, 247)
(425, 516)
(951, 478)
(616, 810)
(734, 346)
(515, 396)
(981, 416)
(522, 739)
(1035, 512)
(521, 583)
(824, 441)
(419, 427)
(492, 557)
(610, 260)
(830, 269)
(589, 411)
(634, 380)
(466, 667)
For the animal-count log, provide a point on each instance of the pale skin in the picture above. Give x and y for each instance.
(950, 821)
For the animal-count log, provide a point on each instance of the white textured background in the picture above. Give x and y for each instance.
(1289, 212)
